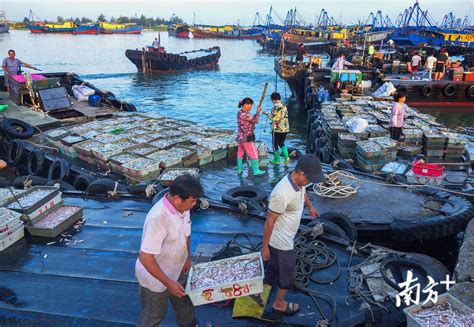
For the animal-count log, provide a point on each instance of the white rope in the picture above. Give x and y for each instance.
(334, 188)
(114, 194)
(150, 190)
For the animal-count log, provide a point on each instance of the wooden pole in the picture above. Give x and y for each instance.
(263, 95)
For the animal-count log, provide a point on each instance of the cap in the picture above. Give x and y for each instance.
(310, 165)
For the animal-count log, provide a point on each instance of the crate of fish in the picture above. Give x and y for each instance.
(434, 138)
(9, 238)
(370, 149)
(447, 311)
(455, 140)
(141, 168)
(169, 174)
(143, 149)
(54, 135)
(116, 162)
(36, 200)
(108, 138)
(107, 151)
(167, 158)
(371, 161)
(347, 153)
(8, 194)
(163, 143)
(55, 221)
(225, 279)
(410, 151)
(203, 154)
(347, 140)
(84, 149)
(413, 178)
(9, 219)
(376, 131)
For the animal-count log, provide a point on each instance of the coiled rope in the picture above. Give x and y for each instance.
(334, 188)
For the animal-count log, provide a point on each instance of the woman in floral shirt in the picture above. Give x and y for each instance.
(280, 128)
(246, 137)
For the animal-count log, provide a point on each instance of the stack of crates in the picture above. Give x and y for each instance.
(389, 147)
(455, 146)
(332, 129)
(434, 145)
(413, 136)
(376, 131)
(11, 228)
(370, 156)
(347, 145)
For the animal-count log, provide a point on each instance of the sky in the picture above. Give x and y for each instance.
(228, 11)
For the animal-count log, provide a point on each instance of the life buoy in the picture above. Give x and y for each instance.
(449, 90)
(426, 90)
(470, 92)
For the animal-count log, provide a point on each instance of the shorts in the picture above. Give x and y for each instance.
(280, 271)
(415, 68)
(439, 68)
(396, 133)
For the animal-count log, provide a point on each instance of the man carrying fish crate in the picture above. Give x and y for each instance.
(164, 256)
(286, 205)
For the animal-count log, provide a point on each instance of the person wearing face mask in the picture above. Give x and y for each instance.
(286, 204)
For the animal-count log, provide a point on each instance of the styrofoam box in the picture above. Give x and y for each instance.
(423, 180)
(228, 291)
(12, 238)
(455, 303)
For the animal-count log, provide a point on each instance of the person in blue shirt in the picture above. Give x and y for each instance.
(11, 66)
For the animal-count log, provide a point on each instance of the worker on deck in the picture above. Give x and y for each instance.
(300, 52)
(340, 63)
(164, 258)
(286, 204)
(156, 43)
(12, 66)
(415, 65)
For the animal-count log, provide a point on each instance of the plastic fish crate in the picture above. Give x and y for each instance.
(116, 162)
(141, 168)
(227, 291)
(84, 149)
(6, 195)
(434, 153)
(370, 162)
(53, 192)
(218, 155)
(143, 149)
(35, 230)
(166, 158)
(70, 139)
(377, 150)
(443, 298)
(12, 238)
(166, 176)
(55, 134)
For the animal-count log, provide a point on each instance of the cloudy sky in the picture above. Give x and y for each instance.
(228, 11)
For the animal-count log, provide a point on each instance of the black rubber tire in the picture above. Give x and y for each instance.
(329, 227)
(426, 90)
(392, 261)
(343, 221)
(324, 155)
(140, 188)
(318, 144)
(21, 169)
(436, 227)
(449, 90)
(59, 169)
(35, 162)
(63, 186)
(82, 182)
(158, 196)
(17, 129)
(35, 180)
(470, 92)
(164, 56)
(102, 186)
(433, 266)
(235, 195)
(15, 151)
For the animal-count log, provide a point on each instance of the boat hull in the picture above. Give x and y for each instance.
(202, 34)
(40, 29)
(127, 30)
(168, 62)
(4, 28)
(92, 29)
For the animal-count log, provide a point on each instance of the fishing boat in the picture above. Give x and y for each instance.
(3, 23)
(179, 31)
(86, 29)
(109, 28)
(227, 32)
(42, 27)
(158, 60)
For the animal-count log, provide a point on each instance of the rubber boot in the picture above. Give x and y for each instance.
(284, 149)
(255, 169)
(240, 165)
(276, 158)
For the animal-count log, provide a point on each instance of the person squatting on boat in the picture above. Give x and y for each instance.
(164, 258)
(12, 66)
(397, 118)
(246, 136)
(280, 128)
(286, 206)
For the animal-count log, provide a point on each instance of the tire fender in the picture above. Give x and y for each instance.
(449, 90)
(15, 151)
(35, 161)
(59, 169)
(82, 182)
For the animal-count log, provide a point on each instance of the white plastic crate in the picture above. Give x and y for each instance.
(8, 219)
(423, 180)
(228, 290)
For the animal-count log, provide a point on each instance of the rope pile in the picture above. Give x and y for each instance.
(334, 188)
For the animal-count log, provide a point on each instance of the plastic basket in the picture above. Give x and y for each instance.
(424, 169)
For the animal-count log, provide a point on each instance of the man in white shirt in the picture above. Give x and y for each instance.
(430, 64)
(340, 63)
(415, 65)
(164, 255)
(284, 215)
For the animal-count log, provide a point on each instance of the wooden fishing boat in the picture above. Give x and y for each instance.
(158, 60)
(234, 33)
(179, 31)
(42, 27)
(108, 28)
